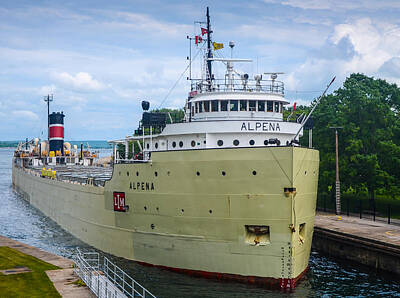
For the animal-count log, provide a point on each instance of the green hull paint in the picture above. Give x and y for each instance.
(194, 221)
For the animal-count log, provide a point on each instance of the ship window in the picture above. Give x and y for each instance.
(200, 107)
(261, 106)
(193, 143)
(266, 142)
(192, 110)
(198, 173)
(148, 145)
(156, 145)
(224, 105)
(251, 142)
(236, 142)
(270, 106)
(181, 144)
(137, 173)
(252, 105)
(233, 104)
(243, 105)
(280, 108)
(220, 143)
(197, 107)
(214, 106)
(174, 144)
(276, 107)
(206, 106)
(223, 173)
(254, 173)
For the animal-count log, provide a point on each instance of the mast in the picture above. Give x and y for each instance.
(209, 53)
(48, 99)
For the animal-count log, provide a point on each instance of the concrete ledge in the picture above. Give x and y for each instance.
(341, 239)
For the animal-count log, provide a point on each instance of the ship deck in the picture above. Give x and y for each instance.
(81, 174)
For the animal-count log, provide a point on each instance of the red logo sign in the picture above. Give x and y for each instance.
(119, 201)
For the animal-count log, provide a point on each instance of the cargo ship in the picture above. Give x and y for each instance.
(226, 193)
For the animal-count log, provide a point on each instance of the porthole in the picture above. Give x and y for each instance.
(137, 173)
(119, 173)
(155, 174)
(210, 211)
(204, 141)
(158, 209)
(148, 146)
(181, 144)
(145, 208)
(198, 173)
(223, 173)
(236, 142)
(174, 144)
(251, 142)
(193, 143)
(220, 143)
(305, 173)
(254, 173)
(152, 226)
(156, 145)
(168, 173)
(182, 210)
(266, 142)
(127, 173)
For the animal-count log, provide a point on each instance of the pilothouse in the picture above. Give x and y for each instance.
(236, 110)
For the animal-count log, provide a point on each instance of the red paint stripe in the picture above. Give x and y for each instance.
(56, 132)
(267, 282)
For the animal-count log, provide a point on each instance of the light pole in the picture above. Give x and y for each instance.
(337, 170)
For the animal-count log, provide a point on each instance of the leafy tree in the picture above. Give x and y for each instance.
(369, 143)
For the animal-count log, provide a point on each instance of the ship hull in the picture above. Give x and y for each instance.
(191, 211)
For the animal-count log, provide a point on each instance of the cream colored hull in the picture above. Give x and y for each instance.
(184, 213)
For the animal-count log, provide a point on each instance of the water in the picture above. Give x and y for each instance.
(326, 277)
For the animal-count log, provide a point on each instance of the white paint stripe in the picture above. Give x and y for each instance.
(55, 125)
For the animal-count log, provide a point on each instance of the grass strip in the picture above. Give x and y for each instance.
(32, 284)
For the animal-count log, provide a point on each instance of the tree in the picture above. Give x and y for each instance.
(369, 143)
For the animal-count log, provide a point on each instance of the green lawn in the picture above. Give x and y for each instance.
(33, 284)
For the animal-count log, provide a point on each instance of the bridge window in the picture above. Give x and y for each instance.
(276, 107)
(252, 105)
(206, 106)
(280, 107)
(214, 106)
(224, 105)
(270, 106)
(261, 106)
(233, 105)
(243, 105)
(197, 107)
(200, 107)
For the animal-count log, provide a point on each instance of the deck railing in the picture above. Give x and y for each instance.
(106, 280)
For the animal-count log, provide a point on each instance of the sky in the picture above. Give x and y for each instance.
(100, 58)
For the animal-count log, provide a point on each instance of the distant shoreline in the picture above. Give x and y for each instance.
(92, 144)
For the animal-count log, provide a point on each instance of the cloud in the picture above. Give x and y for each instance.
(338, 4)
(82, 81)
(391, 67)
(25, 115)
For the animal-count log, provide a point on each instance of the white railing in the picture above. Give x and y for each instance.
(111, 282)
